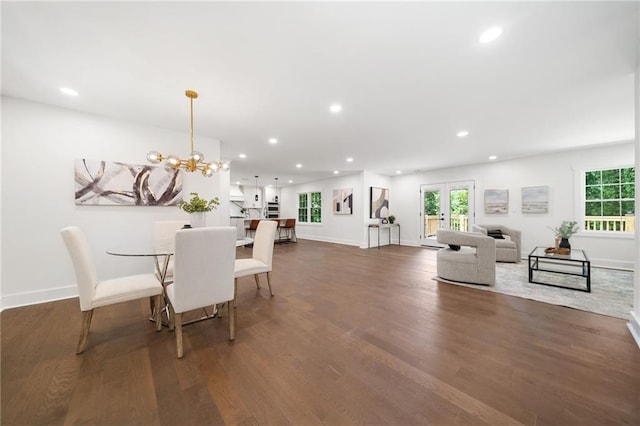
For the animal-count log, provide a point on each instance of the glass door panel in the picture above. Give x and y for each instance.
(447, 205)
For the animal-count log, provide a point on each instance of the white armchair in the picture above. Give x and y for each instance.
(469, 258)
(508, 248)
(95, 293)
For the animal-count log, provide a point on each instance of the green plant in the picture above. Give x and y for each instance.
(197, 204)
(566, 229)
(392, 218)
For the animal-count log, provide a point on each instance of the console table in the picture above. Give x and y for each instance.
(576, 263)
(377, 228)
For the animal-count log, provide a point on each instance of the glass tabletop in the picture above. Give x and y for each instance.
(575, 254)
(148, 250)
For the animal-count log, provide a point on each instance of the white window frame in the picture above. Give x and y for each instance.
(581, 198)
(308, 208)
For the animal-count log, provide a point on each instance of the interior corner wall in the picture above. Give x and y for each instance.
(558, 171)
(634, 323)
(335, 228)
(39, 146)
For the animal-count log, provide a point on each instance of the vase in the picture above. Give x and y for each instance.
(198, 219)
(564, 243)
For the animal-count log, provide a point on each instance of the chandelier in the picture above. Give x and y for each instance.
(195, 162)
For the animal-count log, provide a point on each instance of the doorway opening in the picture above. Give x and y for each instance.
(448, 205)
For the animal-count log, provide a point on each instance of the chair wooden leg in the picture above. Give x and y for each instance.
(84, 331)
(257, 281)
(269, 282)
(158, 311)
(172, 317)
(232, 322)
(235, 292)
(178, 320)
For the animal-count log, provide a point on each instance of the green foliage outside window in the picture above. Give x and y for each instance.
(609, 199)
(302, 208)
(310, 207)
(431, 203)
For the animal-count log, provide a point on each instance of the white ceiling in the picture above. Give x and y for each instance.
(409, 77)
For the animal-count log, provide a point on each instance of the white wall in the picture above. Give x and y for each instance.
(634, 323)
(40, 144)
(342, 229)
(558, 171)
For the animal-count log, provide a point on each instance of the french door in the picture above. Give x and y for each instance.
(447, 205)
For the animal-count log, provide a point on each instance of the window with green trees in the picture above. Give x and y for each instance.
(610, 200)
(310, 207)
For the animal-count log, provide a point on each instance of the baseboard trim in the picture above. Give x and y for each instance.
(329, 240)
(36, 297)
(634, 327)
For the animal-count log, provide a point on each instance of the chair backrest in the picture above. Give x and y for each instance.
(83, 265)
(290, 223)
(263, 242)
(164, 233)
(204, 263)
(253, 225)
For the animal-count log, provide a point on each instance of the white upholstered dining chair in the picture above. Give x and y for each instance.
(164, 237)
(95, 293)
(261, 260)
(203, 274)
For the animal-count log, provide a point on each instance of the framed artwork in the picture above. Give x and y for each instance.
(379, 205)
(535, 199)
(119, 184)
(496, 201)
(343, 201)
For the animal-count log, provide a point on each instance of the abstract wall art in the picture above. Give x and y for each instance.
(119, 184)
(343, 201)
(496, 201)
(535, 199)
(379, 207)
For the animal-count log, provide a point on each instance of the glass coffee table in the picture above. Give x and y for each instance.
(569, 271)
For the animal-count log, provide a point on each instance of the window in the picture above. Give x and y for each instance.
(310, 207)
(609, 200)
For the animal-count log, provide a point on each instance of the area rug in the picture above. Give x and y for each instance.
(611, 290)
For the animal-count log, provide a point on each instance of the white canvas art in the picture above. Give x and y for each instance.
(119, 184)
(535, 199)
(496, 201)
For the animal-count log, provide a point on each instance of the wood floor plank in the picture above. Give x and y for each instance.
(352, 336)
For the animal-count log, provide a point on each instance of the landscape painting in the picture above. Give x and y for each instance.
(343, 201)
(535, 199)
(496, 201)
(120, 184)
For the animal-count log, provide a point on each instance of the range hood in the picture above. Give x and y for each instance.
(235, 194)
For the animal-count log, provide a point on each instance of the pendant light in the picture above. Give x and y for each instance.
(195, 161)
(276, 198)
(256, 196)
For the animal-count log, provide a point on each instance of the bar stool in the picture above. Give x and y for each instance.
(253, 225)
(290, 229)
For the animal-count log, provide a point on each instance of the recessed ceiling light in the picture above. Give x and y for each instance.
(398, 172)
(273, 141)
(349, 159)
(493, 157)
(462, 134)
(336, 172)
(237, 182)
(335, 108)
(490, 35)
(290, 181)
(68, 91)
(299, 166)
(242, 155)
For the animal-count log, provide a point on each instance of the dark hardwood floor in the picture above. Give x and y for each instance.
(352, 336)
